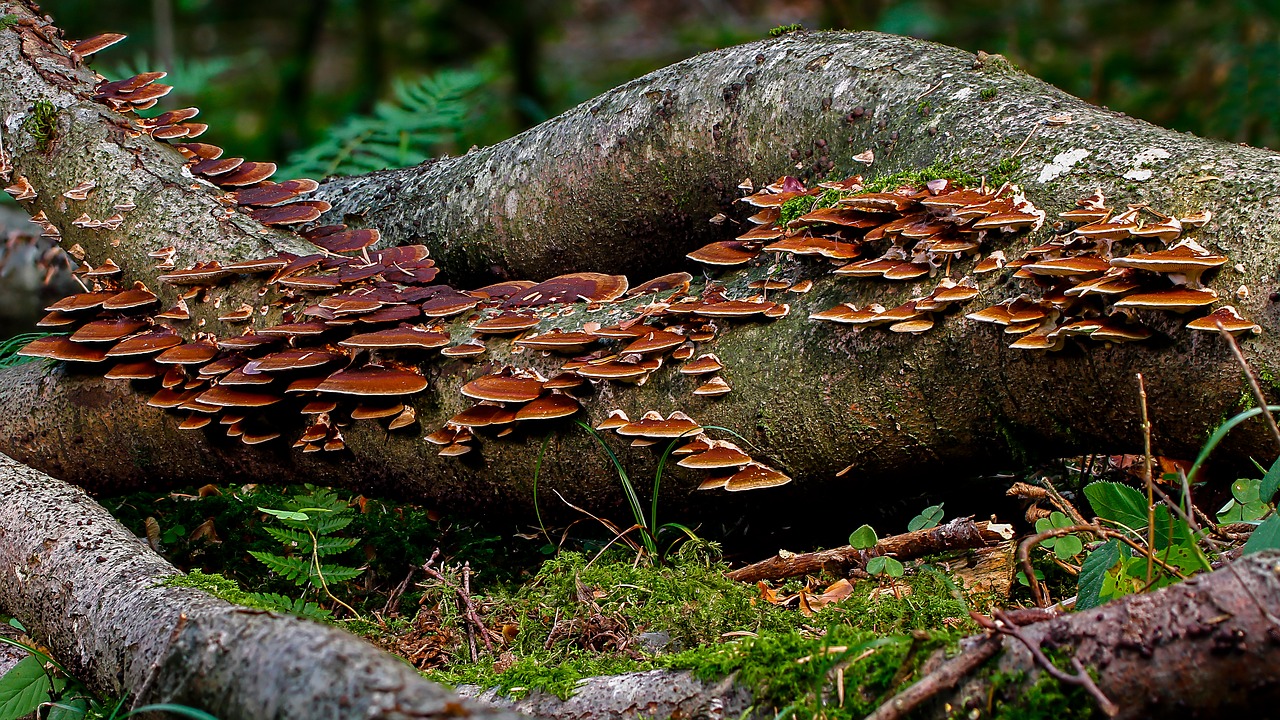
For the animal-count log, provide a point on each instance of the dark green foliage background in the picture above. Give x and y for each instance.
(272, 76)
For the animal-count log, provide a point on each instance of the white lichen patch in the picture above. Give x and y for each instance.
(963, 94)
(1062, 162)
(1151, 155)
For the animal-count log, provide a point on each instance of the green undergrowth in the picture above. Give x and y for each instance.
(569, 617)
(996, 175)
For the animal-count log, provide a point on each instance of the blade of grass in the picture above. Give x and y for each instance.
(1221, 432)
(628, 489)
(537, 470)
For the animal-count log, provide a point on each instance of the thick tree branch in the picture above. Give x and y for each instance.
(90, 591)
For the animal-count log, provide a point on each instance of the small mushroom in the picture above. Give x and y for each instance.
(714, 387)
(1230, 320)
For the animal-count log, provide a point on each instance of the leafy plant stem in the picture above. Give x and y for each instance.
(537, 471)
(1221, 432)
(315, 561)
(1146, 474)
(1024, 553)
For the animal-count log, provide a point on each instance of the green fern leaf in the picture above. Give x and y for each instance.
(290, 568)
(336, 574)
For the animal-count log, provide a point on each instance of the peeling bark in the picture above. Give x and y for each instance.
(1206, 647)
(89, 590)
(652, 694)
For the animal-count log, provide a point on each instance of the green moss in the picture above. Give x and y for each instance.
(869, 634)
(921, 176)
(801, 204)
(8, 21)
(42, 123)
(988, 93)
(1003, 171)
(781, 30)
(1012, 698)
(216, 585)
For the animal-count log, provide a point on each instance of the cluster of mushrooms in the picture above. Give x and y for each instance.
(1081, 283)
(357, 324)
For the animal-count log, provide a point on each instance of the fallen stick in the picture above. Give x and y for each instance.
(959, 534)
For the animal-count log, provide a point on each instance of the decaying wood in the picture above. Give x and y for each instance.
(959, 534)
(90, 591)
(1206, 647)
(651, 694)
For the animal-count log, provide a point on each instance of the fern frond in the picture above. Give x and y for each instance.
(425, 113)
(336, 574)
(9, 356)
(299, 607)
(290, 568)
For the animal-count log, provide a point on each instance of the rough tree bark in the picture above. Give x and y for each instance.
(91, 591)
(815, 398)
(625, 183)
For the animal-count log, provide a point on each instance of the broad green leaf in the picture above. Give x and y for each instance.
(23, 689)
(1245, 490)
(893, 568)
(864, 538)
(1231, 512)
(1067, 547)
(1265, 537)
(928, 518)
(69, 709)
(1118, 503)
(13, 622)
(1093, 572)
(1270, 482)
(285, 514)
(875, 565)
(1059, 519)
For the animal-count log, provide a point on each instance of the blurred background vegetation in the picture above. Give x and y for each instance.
(273, 77)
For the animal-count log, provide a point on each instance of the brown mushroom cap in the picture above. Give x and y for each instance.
(223, 396)
(466, 349)
(1179, 299)
(503, 388)
(506, 323)
(677, 424)
(81, 302)
(108, 330)
(406, 418)
(403, 337)
(714, 387)
(1230, 319)
(1063, 267)
(483, 415)
(654, 341)
(733, 308)
(145, 369)
(146, 343)
(1186, 258)
(60, 347)
(374, 411)
(455, 450)
(193, 353)
(721, 454)
(373, 381)
(558, 340)
(574, 287)
(549, 406)
(726, 253)
(138, 296)
(674, 282)
(616, 419)
(755, 476)
(293, 359)
(617, 370)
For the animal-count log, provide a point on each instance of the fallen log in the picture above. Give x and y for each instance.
(959, 534)
(92, 592)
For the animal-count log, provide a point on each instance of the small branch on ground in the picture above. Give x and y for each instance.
(959, 534)
(471, 617)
